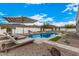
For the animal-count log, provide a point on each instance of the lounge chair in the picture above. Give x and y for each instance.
(16, 42)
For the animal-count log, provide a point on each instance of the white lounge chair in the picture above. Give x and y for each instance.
(17, 42)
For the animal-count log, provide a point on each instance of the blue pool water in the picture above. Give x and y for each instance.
(42, 35)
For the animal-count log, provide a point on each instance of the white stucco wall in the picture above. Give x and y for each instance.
(20, 30)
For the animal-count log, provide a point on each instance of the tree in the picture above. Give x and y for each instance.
(45, 25)
(68, 26)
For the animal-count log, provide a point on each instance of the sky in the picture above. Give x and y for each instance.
(57, 14)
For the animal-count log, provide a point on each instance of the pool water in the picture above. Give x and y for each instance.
(42, 35)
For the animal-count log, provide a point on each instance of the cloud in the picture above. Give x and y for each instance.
(71, 7)
(49, 19)
(42, 18)
(38, 23)
(54, 23)
(38, 16)
(64, 23)
(2, 14)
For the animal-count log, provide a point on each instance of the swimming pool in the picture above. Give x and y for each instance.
(42, 35)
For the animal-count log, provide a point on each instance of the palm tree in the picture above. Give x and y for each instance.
(45, 24)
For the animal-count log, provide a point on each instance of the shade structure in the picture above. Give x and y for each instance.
(48, 26)
(20, 19)
(51, 26)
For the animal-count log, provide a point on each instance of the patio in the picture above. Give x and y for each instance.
(30, 50)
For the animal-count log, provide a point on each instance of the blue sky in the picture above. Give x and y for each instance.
(54, 13)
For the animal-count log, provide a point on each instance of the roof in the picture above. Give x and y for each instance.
(51, 26)
(11, 25)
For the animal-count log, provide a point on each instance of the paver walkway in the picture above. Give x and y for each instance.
(73, 49)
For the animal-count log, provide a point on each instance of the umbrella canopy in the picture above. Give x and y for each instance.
(11, 25)
(20, 19)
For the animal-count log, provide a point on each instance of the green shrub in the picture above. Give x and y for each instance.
(55, 38)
